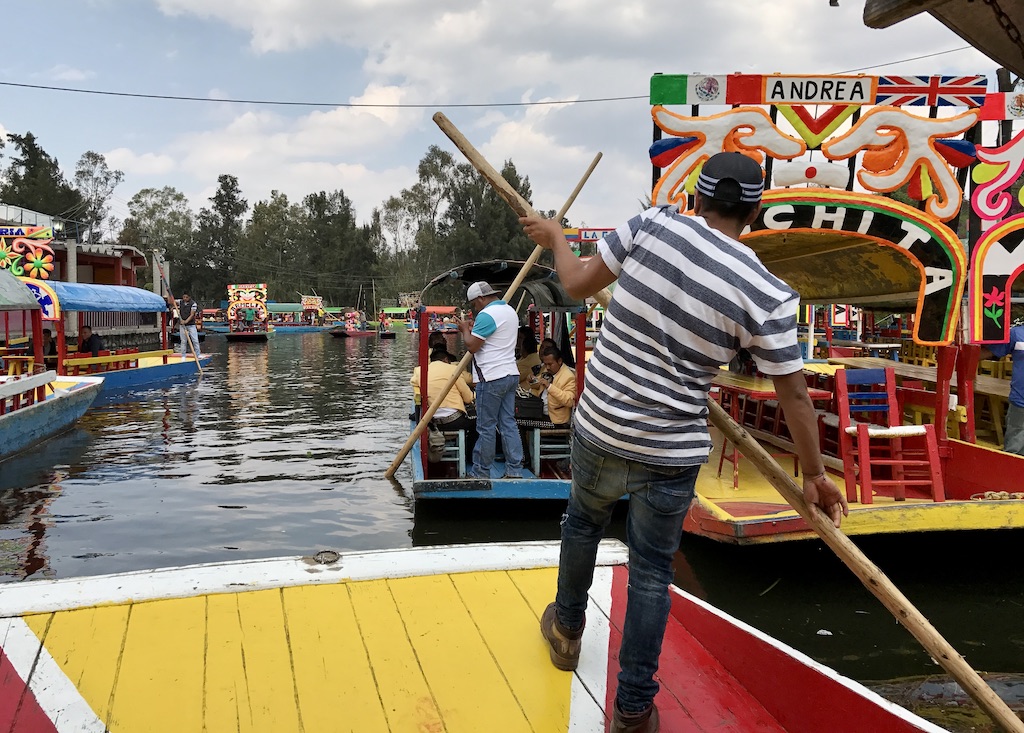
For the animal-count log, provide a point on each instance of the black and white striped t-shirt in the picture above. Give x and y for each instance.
(688, 298)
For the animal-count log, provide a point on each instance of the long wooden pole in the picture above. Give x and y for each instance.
(521, 207)
(869, 574)
(182, 331)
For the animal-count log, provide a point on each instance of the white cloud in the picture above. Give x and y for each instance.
(473, 51)
(63, 72)
(146, 164)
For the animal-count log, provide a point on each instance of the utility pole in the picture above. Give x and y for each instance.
(1005, 85)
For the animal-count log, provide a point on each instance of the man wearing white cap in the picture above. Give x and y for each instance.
(689, 296)
(491, 337)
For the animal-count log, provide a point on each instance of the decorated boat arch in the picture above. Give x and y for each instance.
(26, 251)
(833, 149)
(247, 312)
(882, 193)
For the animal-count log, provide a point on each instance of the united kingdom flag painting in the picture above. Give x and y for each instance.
(933, 91)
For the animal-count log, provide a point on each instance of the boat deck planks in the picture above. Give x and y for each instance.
(341, 649)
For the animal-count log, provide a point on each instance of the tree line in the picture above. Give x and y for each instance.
(449, 216)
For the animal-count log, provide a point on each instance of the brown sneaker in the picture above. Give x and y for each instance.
(563, 644)
(645, 722)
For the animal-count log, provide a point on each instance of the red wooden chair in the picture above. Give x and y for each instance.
(872, 436)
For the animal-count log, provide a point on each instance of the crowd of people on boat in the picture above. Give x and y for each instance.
(510, 373)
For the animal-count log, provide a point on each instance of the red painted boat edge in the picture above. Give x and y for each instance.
(801, 694)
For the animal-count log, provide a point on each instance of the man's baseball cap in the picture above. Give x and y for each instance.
(479, 289)
(732, 178)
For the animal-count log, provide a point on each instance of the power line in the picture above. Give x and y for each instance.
(397, 105)
(912, 58)
(286, 103)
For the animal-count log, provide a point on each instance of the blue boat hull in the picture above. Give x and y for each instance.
(528, 487)
(129, 378)
(24, 428)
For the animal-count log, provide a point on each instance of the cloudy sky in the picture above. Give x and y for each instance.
(411, 52)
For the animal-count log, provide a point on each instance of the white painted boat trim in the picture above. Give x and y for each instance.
(805, 660)
(590, 682)
(56, 695)
(13, 387)
(45, 596)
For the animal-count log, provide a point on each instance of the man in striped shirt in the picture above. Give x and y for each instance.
(689, 296)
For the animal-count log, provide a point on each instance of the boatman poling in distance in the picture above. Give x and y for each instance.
(689, 296)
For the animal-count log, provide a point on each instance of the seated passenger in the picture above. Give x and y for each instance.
(90, 342)
(528, 360)
(49, 345)
(451, 415)
(559, 387)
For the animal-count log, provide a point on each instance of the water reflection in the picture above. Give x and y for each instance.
(280, 449)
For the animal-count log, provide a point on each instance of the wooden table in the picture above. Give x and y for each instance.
(992, 389)
(754, 388)
(17, 365)
(867, 346)
(983, 384)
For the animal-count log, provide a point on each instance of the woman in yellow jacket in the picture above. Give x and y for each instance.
(559, 382)
(451, 414)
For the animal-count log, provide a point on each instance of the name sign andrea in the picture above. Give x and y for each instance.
(819, 89)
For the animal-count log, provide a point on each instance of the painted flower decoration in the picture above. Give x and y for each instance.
(994, 298)
(39, 265)
(7, 256)
(993, 305)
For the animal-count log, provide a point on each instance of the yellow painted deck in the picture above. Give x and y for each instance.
(756, 512)
(453, 652)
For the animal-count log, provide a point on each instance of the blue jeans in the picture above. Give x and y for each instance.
(496, 410)
(658, 499)
(1013, 438)
(192, 333)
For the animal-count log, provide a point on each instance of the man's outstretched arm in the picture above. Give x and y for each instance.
(580, 278)
(796, 404)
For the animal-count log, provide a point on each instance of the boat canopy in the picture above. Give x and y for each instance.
(14, 296)
(106, 298)
(540, 288)
(284, 307)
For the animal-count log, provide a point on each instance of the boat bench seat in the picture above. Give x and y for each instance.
(455, 449)
(548, 444)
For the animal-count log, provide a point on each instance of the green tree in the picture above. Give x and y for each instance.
(34, 180)
(274, 236)
(95, 183)
(161, 219)
(341, 255)
(219, 230)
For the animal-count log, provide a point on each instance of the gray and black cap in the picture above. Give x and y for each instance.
(731, 178)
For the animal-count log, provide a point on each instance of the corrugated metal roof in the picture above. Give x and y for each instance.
(14, 296)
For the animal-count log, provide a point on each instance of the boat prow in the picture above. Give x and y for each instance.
(64, 400)
(248, 335)
(341, 332)
(196, 647)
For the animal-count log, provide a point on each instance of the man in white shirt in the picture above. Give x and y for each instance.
(491, 337)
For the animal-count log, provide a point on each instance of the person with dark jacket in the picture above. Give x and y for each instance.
(90, 342)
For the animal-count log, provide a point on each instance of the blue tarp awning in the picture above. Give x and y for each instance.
(106, 298)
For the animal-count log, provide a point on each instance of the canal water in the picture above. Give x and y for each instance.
(280, 449)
